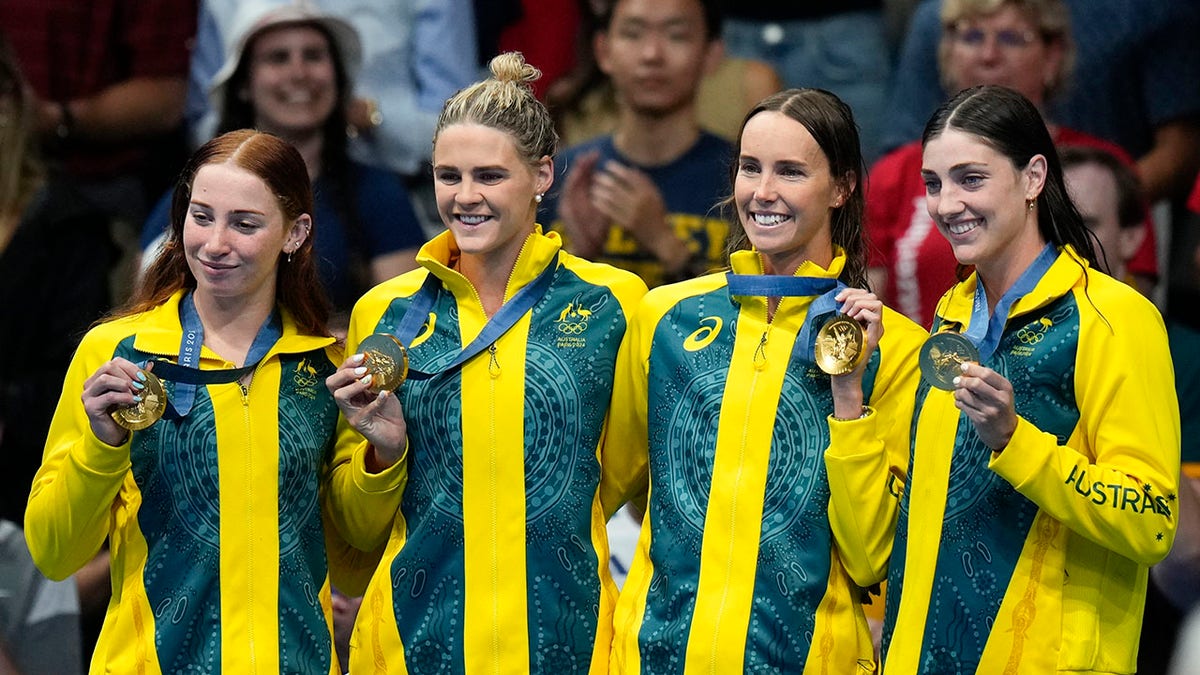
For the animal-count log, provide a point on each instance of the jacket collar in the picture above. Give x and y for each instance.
(438, 254)
(1066, 271)
(159, 332)
(750, 262)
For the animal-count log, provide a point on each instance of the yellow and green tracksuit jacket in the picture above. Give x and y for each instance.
(749, 559)
(496, 552)
(1034, 559)
(214, 521)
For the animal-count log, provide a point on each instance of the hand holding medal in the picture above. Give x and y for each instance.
(150, 403)
(363, 389)
(842, 344)
(121, 397)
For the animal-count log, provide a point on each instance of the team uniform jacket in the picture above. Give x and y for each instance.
(1034, 559)
(749, 559)
(496, 551)
(214, 520)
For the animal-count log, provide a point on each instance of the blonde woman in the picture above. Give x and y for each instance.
(483, 478)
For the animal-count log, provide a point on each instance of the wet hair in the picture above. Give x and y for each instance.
(1011, 125)
(505, 102)
(1050, 17)
(282, 169)
(1131, 210)
(831, 123)
(714, 17)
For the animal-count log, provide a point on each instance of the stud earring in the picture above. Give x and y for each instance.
(289, 255)
(538, 197)
(1029, 203)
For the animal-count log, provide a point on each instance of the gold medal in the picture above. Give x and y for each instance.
(942, 357)
(386, 360)
(839, 346)
(146, 412)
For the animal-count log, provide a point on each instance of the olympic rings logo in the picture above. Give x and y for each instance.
(571, 328)
(1030, 337)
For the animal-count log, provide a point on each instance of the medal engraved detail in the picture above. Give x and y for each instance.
(942, 357)
(839, 346)
(386, 360)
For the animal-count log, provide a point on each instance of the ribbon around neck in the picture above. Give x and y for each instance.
(187, 374)
(777, 285)
(985, 331)
(504, 319)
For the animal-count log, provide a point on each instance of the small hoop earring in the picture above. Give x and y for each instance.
(1029, 204)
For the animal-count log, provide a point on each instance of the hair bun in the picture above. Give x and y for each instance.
(511, 67)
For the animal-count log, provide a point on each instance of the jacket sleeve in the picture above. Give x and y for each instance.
(76, 491)
(867, 458)
(1116, 480)
(624, 457)
(362, 505)
(350, 569)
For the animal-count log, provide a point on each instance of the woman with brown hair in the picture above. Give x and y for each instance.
(193, 430)
(1022, 44)
(764, 440)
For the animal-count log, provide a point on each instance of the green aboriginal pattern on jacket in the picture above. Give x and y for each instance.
(175, 467)
(687, 381)
(976, 560)
(571, 349)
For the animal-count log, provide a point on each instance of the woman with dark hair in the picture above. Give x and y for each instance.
(737, 392)
(193, 431)
(290, 72)
(1022, 44)
(1042, 482)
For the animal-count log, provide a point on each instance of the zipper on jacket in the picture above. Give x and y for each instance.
(737, 480)
(495, 516)
(244, 388)
(760, 363)
(760, 352)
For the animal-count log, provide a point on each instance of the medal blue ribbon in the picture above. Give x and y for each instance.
(508, 315)
(187, 375)
(777, 285)
(985, 331)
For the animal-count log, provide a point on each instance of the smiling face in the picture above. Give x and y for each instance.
(234, 233)
(785, 193)
(485, 191)
(1004, 48)
(292, 80)
(978, 200)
